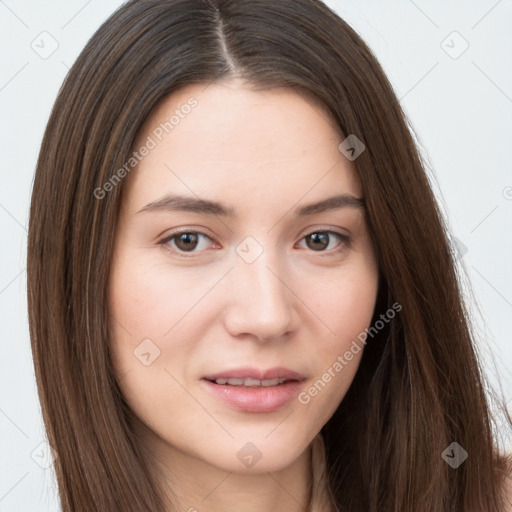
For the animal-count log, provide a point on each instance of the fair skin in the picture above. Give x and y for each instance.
(300, 304)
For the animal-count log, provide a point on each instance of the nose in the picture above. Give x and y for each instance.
(261, 301)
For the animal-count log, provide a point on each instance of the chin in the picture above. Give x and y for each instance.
(257, 453)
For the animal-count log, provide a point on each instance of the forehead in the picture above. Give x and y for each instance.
(243, 144)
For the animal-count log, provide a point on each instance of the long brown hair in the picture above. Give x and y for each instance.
(419, 386)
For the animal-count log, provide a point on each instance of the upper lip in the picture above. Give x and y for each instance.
(255, 373)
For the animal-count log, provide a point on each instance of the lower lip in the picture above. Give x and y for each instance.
(256, 398)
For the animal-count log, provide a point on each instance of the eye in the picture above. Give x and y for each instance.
(184, 241)
(319, 241)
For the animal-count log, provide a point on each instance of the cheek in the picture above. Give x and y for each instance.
(155, 324)
(345, 307)
(145, 305)
(344, 302)
(137, 296)
(149, 298)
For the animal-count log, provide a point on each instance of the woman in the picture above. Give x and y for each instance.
(195, 347)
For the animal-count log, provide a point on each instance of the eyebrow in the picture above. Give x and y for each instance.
(207, 207)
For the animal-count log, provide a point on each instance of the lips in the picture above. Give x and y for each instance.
(251, 390)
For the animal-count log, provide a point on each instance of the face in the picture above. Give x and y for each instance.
(199, 290)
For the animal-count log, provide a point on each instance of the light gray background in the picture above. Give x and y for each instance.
(460, 105)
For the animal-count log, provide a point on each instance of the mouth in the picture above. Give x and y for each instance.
(253, 390)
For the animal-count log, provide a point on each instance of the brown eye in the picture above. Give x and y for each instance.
(185, 242)
(319, 241)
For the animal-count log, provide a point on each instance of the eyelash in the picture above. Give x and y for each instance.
(345, 242)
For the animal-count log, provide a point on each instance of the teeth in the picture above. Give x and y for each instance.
(250, 382)
(273, 382)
